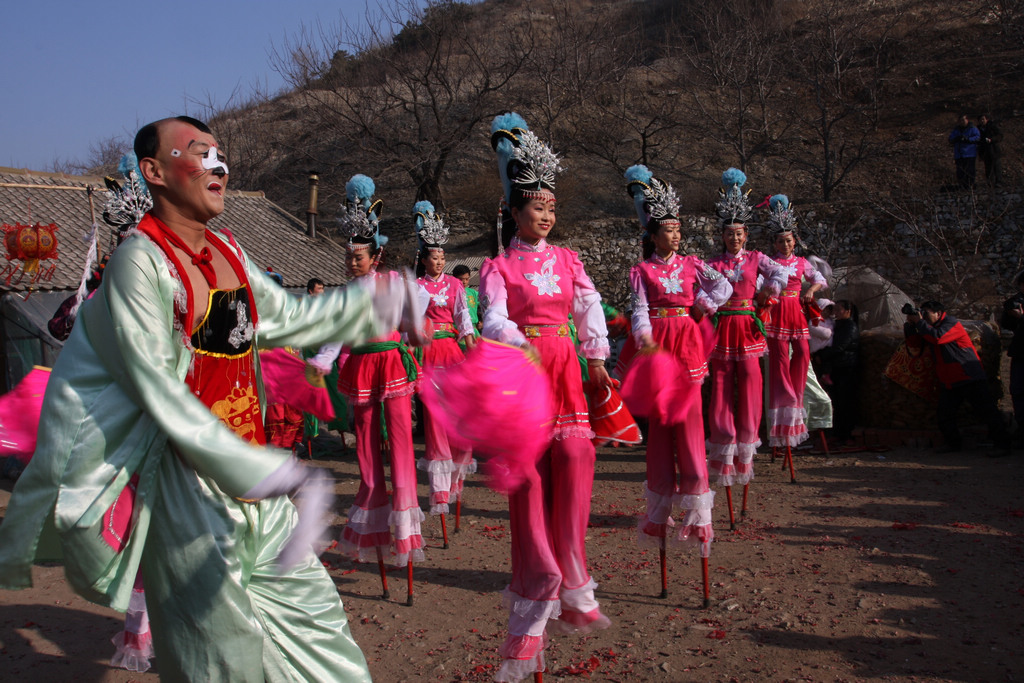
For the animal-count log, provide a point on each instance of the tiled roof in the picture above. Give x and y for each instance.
(268, 233)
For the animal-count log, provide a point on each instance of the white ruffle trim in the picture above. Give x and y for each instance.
(375, 521)
(573, 432)
(528, 617)
(791, 440)
(515, 670)
(727, 455)
(787, 416)
(659, 507)
(695, 509)
(442, 466)
(439, 509)
(580, 599)
(467, 468)
(406, 523)
(403, 559)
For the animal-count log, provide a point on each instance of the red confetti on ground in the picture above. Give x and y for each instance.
(348, 571)
(717, 635)
(904, 526)
(964, 525)
(582, 669)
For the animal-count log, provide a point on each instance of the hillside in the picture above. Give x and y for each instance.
(838, 104)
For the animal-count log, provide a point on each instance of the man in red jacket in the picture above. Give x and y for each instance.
(960, 373)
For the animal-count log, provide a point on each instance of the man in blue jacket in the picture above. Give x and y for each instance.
(965, 138)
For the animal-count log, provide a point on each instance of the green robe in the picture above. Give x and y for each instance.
(117, 405)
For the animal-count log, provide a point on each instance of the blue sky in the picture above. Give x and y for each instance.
(75, 73)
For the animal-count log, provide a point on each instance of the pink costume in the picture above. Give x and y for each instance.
(739, 345)
(375, 377)
(530, 291)
(677, 472)
(445, 465)
(787, 376)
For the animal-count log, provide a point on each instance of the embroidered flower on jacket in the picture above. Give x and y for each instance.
(546, 281)
(440, 297)
(671, 283)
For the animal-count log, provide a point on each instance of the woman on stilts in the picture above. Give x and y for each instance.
(529, 291)
(736, 385)
(788, 352)
(445, 465)
(379, 377)
(670, 295)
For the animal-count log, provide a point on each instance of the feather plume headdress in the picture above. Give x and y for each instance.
(430, 228)
(360, 215)
(781, 218)
(733, 206)
(129, 201)
(654, 200)
(526, 165)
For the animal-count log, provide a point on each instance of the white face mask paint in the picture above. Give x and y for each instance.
(212, 161)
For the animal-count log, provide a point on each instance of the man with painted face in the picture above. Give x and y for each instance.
(153, 450)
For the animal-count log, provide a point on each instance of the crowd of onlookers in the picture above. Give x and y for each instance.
(971, 143)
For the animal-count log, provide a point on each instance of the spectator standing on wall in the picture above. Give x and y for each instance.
(990, 149)
(964, 138)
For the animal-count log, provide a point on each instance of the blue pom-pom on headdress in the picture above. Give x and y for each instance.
(380, 240)
(777, 200)
(423, 207)
(638, 174)
(733, 177)
(360, 187)
(508, 121)
(129, 162)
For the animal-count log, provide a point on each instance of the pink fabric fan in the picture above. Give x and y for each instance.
(655, 387)
(288, 380)
(19, 414)
(497, 389)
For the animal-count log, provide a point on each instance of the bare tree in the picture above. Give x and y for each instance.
(104, 156)
(734, 49)
(411, 100)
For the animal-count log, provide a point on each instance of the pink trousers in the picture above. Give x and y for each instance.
(446, 466)
(677, 477)
(549, 515)
(736, 388)
(786, 379)
(374, 521)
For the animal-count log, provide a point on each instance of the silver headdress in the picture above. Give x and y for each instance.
(732, 206)
(781, 218)
(654, 199)
(359, 217)
(127, 202)
(537, 164)
(430, 228)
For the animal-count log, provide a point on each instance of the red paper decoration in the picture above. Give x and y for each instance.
(30, 244)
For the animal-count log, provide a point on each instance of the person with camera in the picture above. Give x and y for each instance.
(965, 138)
(1011, 319)
(960, 373)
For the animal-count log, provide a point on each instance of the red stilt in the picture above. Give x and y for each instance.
(707, 587)
(732, 519)
(664, 570)
(774, 449)
(743, 510)
(408, 599)
(824, 441)
(458, 513)
(444, 531)
(789, 458)
(383, 574)
(538, 677)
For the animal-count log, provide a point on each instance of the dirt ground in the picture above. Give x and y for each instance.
(897, 566)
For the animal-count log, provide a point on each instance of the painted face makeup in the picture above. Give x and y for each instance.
(197, 171)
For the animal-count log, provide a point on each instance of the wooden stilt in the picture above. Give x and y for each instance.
(458, 513)
(383, 574)
(538, 677)
(743, 510)
(408, 599)
(789, 458)
(444, 531)
(774, 450)
(824, 441)
(707, 587)
(309, 448)
(664, 570)
(732, 519)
